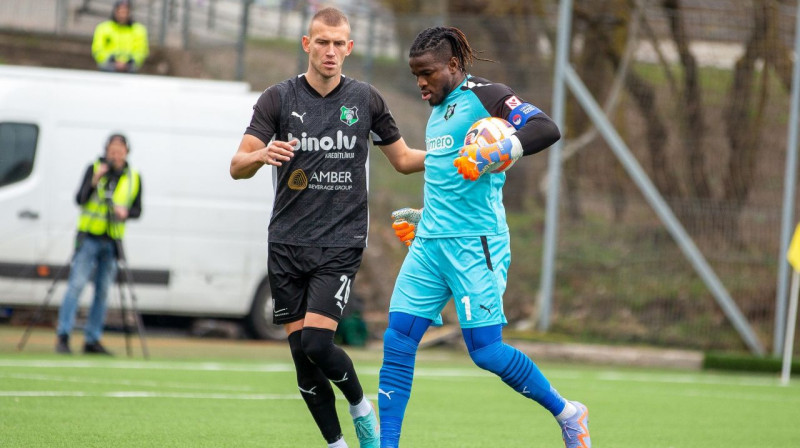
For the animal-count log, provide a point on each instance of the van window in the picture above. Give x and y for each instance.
(17, 150)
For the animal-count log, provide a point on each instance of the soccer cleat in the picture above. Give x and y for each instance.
(575, 430)
(367, 430)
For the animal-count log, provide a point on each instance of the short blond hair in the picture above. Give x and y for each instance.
(329, 16)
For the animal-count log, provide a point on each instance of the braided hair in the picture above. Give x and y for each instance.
(445, 42)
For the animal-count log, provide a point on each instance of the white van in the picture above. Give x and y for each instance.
(199, 248)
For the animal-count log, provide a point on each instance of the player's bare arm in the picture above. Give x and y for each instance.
(253, 154)
(404, 159)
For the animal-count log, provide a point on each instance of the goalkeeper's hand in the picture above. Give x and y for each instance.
(473, 161)
(405, 223)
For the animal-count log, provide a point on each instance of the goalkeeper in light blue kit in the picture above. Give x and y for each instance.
(459, 240)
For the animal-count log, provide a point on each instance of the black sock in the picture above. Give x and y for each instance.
(333, 361)
(316, 391)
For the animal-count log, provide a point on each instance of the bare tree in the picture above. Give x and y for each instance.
(743, 115)
(676, 122)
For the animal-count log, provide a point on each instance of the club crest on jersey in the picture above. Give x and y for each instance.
(451, 109)
(349, 115)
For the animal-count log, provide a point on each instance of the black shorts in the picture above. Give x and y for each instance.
(317, 279)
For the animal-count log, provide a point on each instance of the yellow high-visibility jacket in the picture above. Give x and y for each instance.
(124, 42)
(94, 217)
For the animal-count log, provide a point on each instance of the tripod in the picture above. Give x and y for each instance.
(37, 317)
(122, 263)
(124, 278)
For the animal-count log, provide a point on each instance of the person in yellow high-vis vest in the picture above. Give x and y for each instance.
(110, 194)
(120, 44)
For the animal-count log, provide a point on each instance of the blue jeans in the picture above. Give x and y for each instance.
(94, 256)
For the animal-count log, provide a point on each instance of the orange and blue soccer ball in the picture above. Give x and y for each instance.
(487, 131)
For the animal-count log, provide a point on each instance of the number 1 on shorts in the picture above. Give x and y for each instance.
(467, 310)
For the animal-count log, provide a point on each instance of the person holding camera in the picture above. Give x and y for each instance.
(110, 194)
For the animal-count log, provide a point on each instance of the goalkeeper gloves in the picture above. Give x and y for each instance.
(405, 223)
(473, 161)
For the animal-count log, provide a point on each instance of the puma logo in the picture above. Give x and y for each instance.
(309, 392)
(295, 114)
(343, 379)
(381, 391)
(485, 308)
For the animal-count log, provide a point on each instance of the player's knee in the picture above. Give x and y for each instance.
(296, 345)
(396, 343)
(317, 343)
(493, 357)
(314, 388)
(406, 324)
(399, 357)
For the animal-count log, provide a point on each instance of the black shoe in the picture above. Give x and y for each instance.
(94, 348)
(62, 345)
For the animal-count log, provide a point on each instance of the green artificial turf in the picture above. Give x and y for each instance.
(207, 395)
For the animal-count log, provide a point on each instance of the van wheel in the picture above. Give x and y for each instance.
(260, 317)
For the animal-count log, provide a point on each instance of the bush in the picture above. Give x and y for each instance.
(742, 362)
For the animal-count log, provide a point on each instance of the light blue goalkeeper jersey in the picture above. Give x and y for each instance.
(453, 206)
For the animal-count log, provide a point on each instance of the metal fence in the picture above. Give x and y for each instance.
(700, 93)
(204, 24)
(702, 104)
(697, 89)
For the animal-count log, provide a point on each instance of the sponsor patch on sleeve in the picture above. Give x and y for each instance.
(513, 102)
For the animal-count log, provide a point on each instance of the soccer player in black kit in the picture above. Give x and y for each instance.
(314, 131)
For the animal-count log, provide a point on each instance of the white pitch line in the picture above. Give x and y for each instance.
(218, 367)
(147, 394)
(678, 378)
(739, 396)
(139, 383)
(147, 365)
(466, 372)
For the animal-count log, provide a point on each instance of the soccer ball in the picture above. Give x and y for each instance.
(489, 130)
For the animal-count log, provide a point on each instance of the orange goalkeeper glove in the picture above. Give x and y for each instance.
(405, 223)
(473, 161)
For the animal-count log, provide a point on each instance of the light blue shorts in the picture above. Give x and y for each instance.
(471, 270)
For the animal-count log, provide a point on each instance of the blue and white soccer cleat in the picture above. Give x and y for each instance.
(367, 430)
(575, 430)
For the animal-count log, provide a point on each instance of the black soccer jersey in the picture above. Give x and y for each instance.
(321, 193)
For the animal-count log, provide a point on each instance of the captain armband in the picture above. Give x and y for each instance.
(521, 114)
